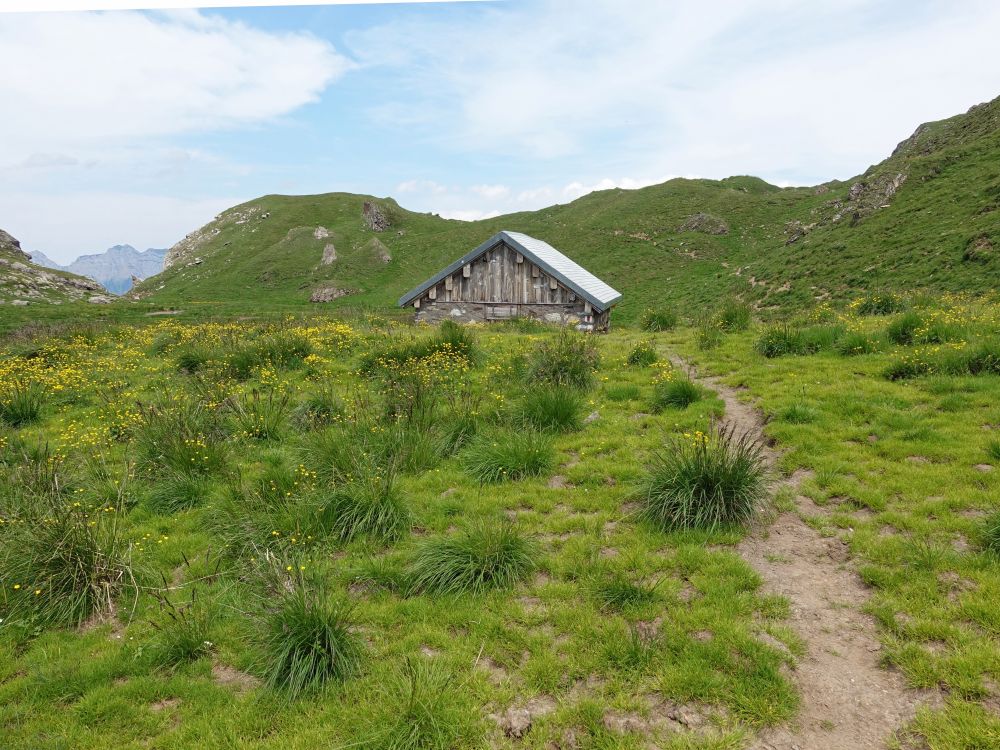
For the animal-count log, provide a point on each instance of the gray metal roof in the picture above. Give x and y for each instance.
(543, 255)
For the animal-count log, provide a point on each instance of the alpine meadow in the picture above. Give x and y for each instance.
(701, 465)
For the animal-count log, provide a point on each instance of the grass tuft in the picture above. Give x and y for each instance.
(643, 354)
(371, 505)
(21, 404)
(676, 393)
(991, 534)
(617, 592)
(184, 633)
(660, 319)
(734, 316)
(424, 710)
(485, 556)
(309, 641)
(500, 456)
(704, 481)
(553, 409)
(568, 359)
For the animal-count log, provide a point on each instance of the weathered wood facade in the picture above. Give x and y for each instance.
(512, 275)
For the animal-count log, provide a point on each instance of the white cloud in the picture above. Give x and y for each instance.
(791, 91)
(77, 82)
(468, 215)
(576, 189)
(491, 192)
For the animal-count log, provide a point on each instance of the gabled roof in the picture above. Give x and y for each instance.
(543, 255)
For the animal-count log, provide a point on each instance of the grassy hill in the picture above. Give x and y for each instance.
(926, 217)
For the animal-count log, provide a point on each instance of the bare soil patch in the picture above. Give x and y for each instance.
(849, 702)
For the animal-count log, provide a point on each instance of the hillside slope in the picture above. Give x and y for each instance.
(23, 283)
(926, 217)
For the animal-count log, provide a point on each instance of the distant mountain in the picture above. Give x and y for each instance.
(114, 268)
(23, 282)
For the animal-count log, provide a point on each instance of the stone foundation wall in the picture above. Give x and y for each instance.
(570, 314)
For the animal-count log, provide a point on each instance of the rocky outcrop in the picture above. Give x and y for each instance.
(22, 282)
(704, 223)
(375, 218)
(328, 294)
(10, 245)
(329, 254)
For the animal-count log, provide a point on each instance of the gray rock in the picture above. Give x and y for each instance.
(375, 218)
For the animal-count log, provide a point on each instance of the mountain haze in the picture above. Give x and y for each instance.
(114, 269)
(926, 217)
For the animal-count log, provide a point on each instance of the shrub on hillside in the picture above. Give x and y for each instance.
(903, 330)
(734, 316)
(705, 481)
(879, 303)
(659, 319)
(485, 556)
(569, 358)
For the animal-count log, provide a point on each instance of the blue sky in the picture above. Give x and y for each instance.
(137, 127)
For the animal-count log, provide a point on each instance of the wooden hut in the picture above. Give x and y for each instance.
(513, 275)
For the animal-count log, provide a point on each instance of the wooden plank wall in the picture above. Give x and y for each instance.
(501, 274)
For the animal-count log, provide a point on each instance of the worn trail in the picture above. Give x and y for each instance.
(849, 702)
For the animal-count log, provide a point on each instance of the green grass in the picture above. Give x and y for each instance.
(677, 393)
(643, 354)
(893, 473)
(504, 456)
(490, 594)
(705, 481)
(555, 409)
(486, 556)
(308, 641)
(21, 404)
(660, 319)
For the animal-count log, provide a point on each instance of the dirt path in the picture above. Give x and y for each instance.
(849, 702)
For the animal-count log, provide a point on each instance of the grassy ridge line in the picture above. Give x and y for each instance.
(926, 217)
